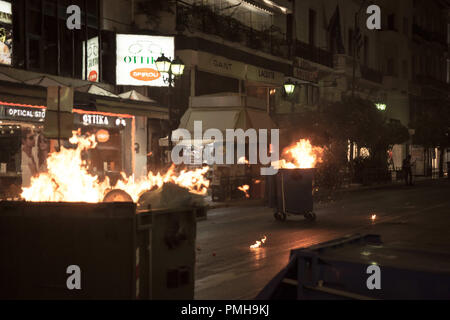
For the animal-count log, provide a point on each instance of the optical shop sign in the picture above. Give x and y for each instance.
(22, 113)
(136, 57)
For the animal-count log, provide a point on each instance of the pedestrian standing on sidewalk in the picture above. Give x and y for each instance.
(407, 171)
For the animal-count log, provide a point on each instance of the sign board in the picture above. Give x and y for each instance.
(22, 113)
(136, 56)
(92, 60)
(6, 33)
(264, 75)
(100, 120)
(220, 65)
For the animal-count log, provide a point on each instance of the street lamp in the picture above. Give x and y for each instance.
(289, 87)
(170, 70)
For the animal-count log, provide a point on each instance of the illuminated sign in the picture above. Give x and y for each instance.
(18, 113)
(6, 33)
(99, 120)
(92, 60)
(136, 56)
(102, 135)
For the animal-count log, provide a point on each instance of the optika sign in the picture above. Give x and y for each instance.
(95, 119)
(136, 57)
(257, 141)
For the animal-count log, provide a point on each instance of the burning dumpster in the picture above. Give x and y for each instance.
(121, 253)
(127, 240)
(290, 191)
(293, 193)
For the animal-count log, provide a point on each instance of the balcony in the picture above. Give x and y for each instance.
(313, 54)
(202, 18)
(371, 74)
(432, 82)
(429, 36)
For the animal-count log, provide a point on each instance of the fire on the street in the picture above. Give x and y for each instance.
(373, 217)
(68, 178)
(300, 155)
(259, 244)
(245, 188)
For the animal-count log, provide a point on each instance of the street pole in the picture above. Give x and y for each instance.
(169, 107)
(354, 64)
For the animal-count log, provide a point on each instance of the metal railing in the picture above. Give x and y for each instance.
(202, 18)
(314, 54)
(371, 74)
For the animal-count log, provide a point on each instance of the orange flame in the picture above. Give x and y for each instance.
(373, 217)
(68, 179)
(300, 155)
(245, 189)
(259, 244)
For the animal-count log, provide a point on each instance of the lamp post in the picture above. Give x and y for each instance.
(289, 88)
(170, 71)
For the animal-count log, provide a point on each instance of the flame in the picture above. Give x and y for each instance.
(69, 180)
(300, 155)
(373, 217)
(259, 244)
(242, 160)
(245, 189)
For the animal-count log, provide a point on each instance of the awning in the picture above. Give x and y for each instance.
(134, 95)
(97, 90)
(217, 119)
(44, 81)
(226, 118)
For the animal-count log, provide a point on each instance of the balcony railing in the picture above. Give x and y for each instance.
(203, 19)
(371, 74)
(427, 80)
(428, 35)
(314, 54)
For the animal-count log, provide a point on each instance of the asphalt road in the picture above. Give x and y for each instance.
(415, 217)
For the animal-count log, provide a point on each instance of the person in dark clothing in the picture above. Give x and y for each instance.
(407, 171)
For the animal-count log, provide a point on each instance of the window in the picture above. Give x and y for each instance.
(406, 26)
(405, 69)
(366, 51)
(350, 42)
(48, 45)
(312, 27)
(390, 67)
(391, 22)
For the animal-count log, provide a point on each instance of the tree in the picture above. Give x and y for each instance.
(432, 128)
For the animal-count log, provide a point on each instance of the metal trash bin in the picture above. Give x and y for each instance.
(290, 192)
(122, 253)
(338, 269)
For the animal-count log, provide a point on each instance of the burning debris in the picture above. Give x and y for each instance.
(259, 244)
(68, 179)
(300, 155)
(245, 188)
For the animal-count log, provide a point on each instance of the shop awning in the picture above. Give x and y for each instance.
(134, 95)
(97, 90)
(44, 81)
(226, 118)
(218, 119)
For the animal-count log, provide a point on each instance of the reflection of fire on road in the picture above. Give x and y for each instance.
(259, 244)
(300, 155)
(68, 179)
(245, 189)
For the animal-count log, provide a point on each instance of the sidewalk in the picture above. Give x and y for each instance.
(318, 196)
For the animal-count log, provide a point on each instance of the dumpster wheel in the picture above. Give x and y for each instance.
(310, 216)
(280, 216)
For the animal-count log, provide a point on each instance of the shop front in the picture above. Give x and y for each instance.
(24, 149)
